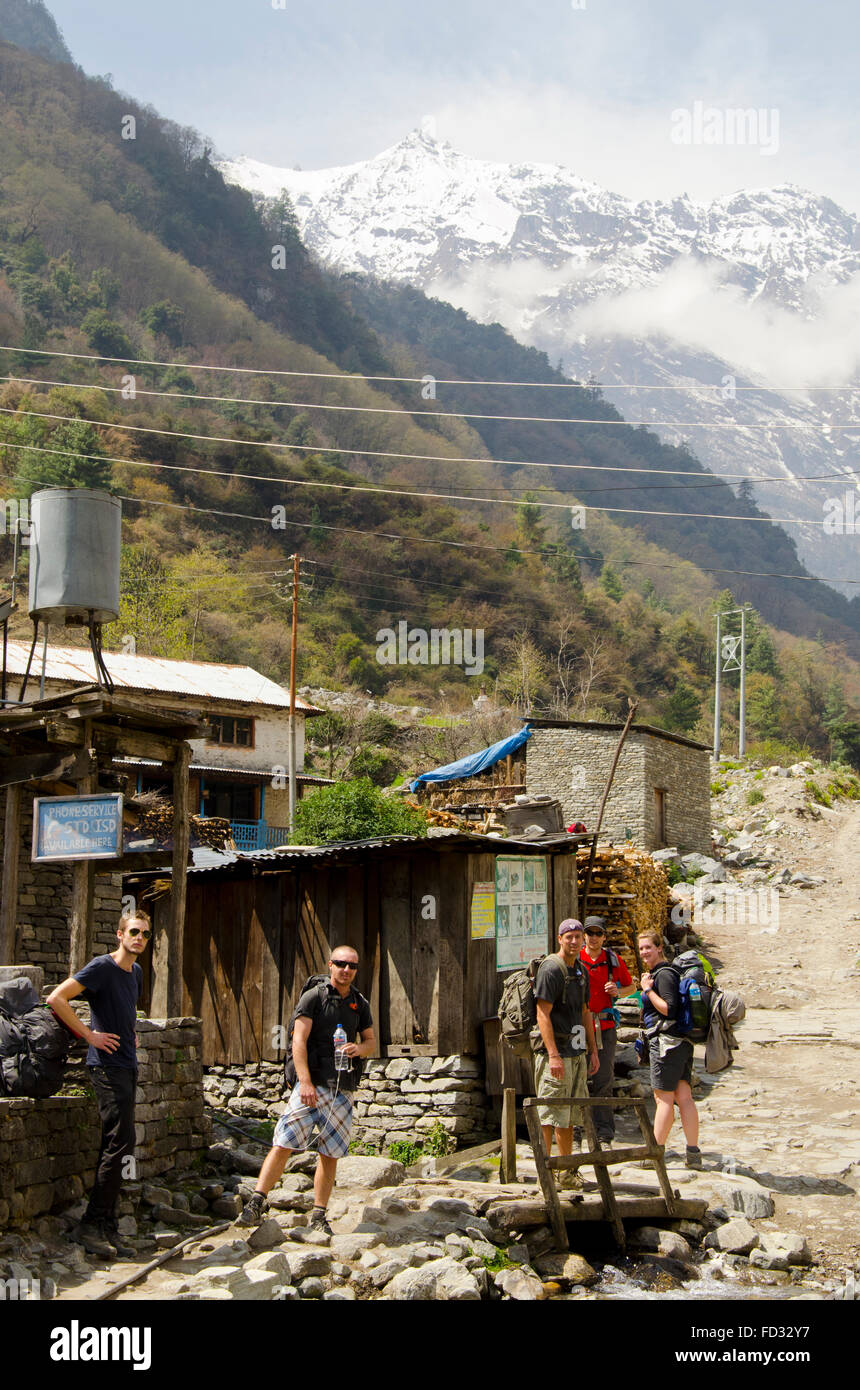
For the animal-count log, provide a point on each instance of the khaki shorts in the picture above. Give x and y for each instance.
(573, 1083)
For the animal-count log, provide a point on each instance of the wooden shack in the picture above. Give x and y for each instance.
(257, 925)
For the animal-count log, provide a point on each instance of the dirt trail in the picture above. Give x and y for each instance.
(787, 1111)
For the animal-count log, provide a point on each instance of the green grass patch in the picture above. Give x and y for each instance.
(754, 797)
(717, 788)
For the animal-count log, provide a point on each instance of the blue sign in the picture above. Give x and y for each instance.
(77, 827)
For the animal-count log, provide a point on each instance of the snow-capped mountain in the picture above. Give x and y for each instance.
(732, 302)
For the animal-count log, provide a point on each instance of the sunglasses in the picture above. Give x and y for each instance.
(139, 931)
(589, 932)
(346, 964)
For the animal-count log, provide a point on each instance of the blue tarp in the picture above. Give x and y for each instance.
(476, 762)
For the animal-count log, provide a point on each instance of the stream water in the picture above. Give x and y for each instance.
(715, 1279)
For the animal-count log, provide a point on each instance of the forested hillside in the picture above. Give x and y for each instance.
(28, 24)
(119, 240)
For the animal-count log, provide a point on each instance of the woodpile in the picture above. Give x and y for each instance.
(629, 891)
(149, 817)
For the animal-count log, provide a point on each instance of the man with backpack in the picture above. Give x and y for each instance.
(670, 1048)
(566, 1033)
(112, 985)
(326, 1075)
(608, 980)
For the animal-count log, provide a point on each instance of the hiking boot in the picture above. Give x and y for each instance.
(693, 1157)
(95, 1240)
(111, 1234)
(569, 1180)
(253, 1211)
(319, 1221)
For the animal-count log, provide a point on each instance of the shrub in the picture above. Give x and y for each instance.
(754, 797)
(405, 1152)
(354, 810)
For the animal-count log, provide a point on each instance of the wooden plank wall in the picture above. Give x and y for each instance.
(251, 943)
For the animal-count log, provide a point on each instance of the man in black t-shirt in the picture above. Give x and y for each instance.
(565, 1051)
(322, 1096)
(112, 985)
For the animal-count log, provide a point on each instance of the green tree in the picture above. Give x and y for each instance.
(151, 607)
(105, 336)
(842, 727)
(683, 708)
(354, 810)
(611, 584)
(78, 462)
(166, 320)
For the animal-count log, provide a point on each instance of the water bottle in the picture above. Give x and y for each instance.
(698, 1009)
(341, 1061)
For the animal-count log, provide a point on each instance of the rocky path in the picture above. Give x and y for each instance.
(787, 1112)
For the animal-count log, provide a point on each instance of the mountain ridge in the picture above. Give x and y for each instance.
(715, 299)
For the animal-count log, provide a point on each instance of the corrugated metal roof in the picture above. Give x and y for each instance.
(264, 775)
(203, 679)
(350, 848)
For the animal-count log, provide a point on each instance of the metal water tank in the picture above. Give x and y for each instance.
(74, 555)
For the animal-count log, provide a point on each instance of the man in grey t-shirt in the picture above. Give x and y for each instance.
(566, 1030)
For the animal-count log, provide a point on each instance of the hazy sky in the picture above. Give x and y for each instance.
(591, 85)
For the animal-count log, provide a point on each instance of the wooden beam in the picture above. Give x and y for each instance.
(552, 1206)
(11, 856)
(49, 767)
(181, 838)
(132, 744)
(519, 1214)
(508, 1170)
(83, 879)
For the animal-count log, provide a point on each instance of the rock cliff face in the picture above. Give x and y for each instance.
(711, 311)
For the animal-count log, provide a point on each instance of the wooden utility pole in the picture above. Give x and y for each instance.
(11, 855)
(181, 838)
(83, 874)
(292, 739)
(632, 707)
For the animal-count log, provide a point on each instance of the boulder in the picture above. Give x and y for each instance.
(779, 1250)
(567, 1268)
(668, 1243)
(305, 1260)
(442, 1279)
(521, 1284)
(736, 1237)
(357, 1171)
(266, 1235)
(745, 1195)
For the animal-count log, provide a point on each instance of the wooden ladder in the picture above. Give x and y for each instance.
(594, 1156)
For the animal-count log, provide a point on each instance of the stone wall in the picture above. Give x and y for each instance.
(44, 907)
(49, 1148)
(48, 1153)
(685, 776)
(399, 1097)
(572, 763)
(171, 1126)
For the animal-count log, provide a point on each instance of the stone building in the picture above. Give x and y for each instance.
(660, 793)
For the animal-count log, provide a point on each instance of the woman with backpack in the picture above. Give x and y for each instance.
(671, 1054)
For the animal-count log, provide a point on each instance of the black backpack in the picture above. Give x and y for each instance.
(320, 983)
(34, 1044)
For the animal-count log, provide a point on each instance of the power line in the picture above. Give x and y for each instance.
(406, 380)
(376, 490)
(419, 458)
(470, 545)
(404, 411)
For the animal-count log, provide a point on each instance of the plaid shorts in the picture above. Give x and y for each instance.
(333, 1115)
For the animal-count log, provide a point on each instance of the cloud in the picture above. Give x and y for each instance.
(691, 304)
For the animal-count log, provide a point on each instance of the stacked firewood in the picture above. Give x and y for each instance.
(150, 817)
(627, 889)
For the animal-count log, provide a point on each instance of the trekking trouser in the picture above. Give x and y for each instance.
(114, 1088)
(600, 1084)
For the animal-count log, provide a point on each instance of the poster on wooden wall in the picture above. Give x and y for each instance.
(483, 911)
(522, 916)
